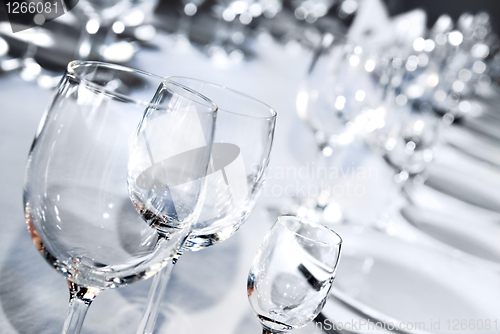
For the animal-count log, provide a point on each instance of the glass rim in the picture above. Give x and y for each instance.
(273, 112)
(71, 69)
(315, 224)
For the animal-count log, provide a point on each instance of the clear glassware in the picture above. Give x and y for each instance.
(460, 57)
(292, 273)
(411, 131)
(232, 29)
(98, 33)
(410, 141)
(76, 199)
(342, 100)
(96, 14)
(311, 11)
(240, 155)
(345, 81)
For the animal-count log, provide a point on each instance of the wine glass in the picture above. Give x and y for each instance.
(411, 131)
(76, 200)
(292, 273)
(409, 144)
(342, 100)
(96, 14)
(96, 42)
(240, 155)
(344, 81)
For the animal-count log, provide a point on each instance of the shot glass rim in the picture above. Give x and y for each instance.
(288, 216)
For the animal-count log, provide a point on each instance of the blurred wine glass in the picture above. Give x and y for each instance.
(410, 143)
(342, 100)
(33, 38)
(343, 83)
(461, 53)
(233, 28)
(437, 80)
(103, 21)
(96, 14)
(311, 10)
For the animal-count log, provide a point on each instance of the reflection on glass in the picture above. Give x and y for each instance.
(292, 273)
(76, 200)
(240, 155)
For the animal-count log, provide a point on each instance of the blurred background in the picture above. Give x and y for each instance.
(388, 132)
(123, 28)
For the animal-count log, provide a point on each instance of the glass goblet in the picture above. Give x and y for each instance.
(409, 144)
(94, 14)
(345, 81)
(240, 155)
(292, 273)
(76, 200)
(343, 100)
(98, 32)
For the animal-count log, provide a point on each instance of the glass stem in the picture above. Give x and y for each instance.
(156, 293)
(79, 302)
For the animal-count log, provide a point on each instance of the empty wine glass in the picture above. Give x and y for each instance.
(342, 101)
(96, 14)
(292, 273)
(76, 200)
(344, 82)
(411, 130)
(240, 155)
(96, 42)
(311, 11)
(409, 144)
